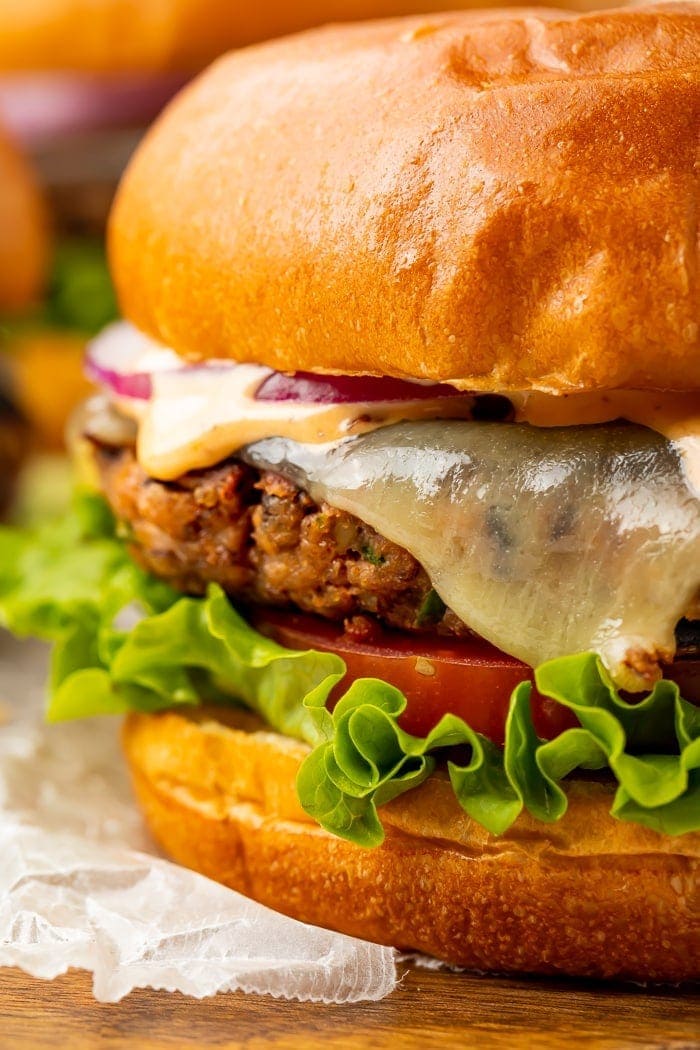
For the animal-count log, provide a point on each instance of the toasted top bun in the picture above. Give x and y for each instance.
(23, 231)
(507, 200)
(155, 36)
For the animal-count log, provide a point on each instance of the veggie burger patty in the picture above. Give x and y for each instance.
(265, 540)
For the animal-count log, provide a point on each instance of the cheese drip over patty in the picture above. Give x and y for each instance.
(545, 542)
(558, 533)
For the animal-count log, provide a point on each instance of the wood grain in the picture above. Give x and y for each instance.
(430, 1010)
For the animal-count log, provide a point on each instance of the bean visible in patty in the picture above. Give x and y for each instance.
(266, 542)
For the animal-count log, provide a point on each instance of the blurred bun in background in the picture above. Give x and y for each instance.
(23, 230)
(24, 250)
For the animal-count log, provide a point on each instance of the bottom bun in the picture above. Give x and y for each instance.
(587, 896)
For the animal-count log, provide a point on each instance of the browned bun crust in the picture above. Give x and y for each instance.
(586, 896)
(24, 238)
(507, 200)
(119, 36)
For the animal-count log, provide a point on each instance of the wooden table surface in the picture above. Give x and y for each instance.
(429, 1010)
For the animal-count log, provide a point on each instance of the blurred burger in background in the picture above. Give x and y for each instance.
(23, 260)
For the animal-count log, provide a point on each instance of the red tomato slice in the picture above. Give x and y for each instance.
(464, 676)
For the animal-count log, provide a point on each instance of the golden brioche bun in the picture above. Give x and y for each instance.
(586, 896)
(506, 200)
(120, 36)
(24, 241)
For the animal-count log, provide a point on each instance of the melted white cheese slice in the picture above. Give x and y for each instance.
(545, 541)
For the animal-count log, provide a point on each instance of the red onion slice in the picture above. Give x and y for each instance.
(138, 386)
(314, 389)
(125, 362)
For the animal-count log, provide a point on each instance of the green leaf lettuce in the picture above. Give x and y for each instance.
(125, 642)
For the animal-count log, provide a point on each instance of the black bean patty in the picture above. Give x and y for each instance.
(266, 542)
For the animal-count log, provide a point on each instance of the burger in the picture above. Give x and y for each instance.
(389, 537)
(23, 251)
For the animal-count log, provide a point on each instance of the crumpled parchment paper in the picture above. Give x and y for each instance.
(81, 884)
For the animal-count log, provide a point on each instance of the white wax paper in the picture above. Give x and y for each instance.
(81, 884)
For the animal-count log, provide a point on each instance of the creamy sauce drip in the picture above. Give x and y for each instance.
(200, 417)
